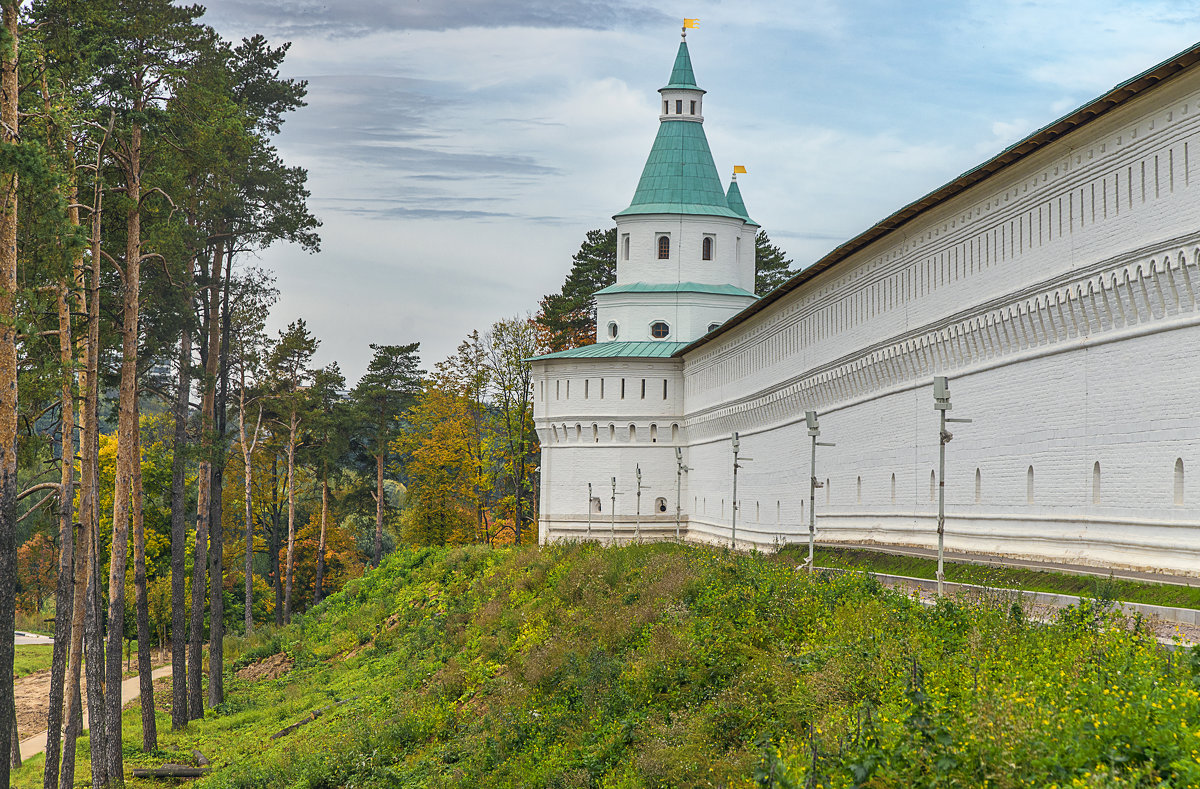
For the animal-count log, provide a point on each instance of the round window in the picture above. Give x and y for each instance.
(612, 329)
(659, 330)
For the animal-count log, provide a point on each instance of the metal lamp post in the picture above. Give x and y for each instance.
(737, 445)
(814, 430)
(637, 518)
(680, 468)
(612, 514)
(941, 402)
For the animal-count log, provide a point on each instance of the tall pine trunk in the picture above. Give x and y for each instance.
(248, 475)
(145, 668)
(293, 428)
(276, 573)
(89, 506)
(127, 444)
(179, 673)
(93, 644)
(318, 591)
(216, 639)
(379, 502)
(64, 592)
(8, 378)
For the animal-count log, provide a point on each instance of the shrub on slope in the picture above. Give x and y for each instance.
(665, 665)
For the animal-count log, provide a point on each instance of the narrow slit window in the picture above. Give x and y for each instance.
(893, 488)
(1179, 482)
(706, 248)
(643, 388)
(932, 485)
(1029, 485)
(664, 388)
(678, 106)
(693, 108)
(666, 107)
(1096, 483)
(978, 487)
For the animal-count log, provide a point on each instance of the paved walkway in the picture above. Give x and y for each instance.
(130, 690)
(1028, 564)
(32, 638)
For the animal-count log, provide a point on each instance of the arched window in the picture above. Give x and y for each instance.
(612, 432)
(595, 504)
(653, 434)
(633, 432)
(706, 248)
(659, 331)
(932, 485)
(674, 433)
(625, 243)
(664, 247)
(1096, 482)
(660, 505)
(893, 488)
(1029, 485)
(1179, 482)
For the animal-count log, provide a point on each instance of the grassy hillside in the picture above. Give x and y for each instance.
(664, 665)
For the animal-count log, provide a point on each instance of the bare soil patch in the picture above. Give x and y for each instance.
(271, 667)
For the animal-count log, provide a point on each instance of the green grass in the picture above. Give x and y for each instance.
(31, 658)
(667, 665)
(1106, 588)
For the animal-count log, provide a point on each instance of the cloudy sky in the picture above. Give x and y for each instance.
(459, 150)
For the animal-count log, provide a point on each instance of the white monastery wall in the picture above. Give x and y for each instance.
(1061, 296)
(1061, 299)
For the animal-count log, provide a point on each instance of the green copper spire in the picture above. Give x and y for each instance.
(682, 77)
(680, 176)
(734, 198)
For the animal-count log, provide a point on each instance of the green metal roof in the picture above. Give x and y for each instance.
(734, 198)
(676, 287)
(617, 350)
(681, 74)
(680, 176)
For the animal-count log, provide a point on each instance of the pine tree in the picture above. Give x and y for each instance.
(568, 318)
(772, 267)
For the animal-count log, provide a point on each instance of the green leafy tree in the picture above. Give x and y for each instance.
(568, 318)
(388, 387)
(772, 266)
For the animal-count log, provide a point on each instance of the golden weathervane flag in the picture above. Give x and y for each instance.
(737, 168)
(691, 23)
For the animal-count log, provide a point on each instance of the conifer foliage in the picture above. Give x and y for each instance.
(568, 318)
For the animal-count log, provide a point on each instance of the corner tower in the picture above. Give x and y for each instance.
(685, 248)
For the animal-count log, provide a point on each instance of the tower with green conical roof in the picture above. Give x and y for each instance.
(685, 245)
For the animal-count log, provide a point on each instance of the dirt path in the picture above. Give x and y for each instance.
(33, 693)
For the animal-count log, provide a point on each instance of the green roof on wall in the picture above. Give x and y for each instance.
(617, 350)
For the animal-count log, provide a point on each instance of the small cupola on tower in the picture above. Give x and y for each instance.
(682, 99)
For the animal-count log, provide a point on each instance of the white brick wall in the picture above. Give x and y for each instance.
(1061, 298)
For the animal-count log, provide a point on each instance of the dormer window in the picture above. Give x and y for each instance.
(664, 247)
(706, 248)
(713, 326)
(678, 106)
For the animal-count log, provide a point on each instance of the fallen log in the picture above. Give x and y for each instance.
(171, 771)
(312, 716)
(201, 759)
